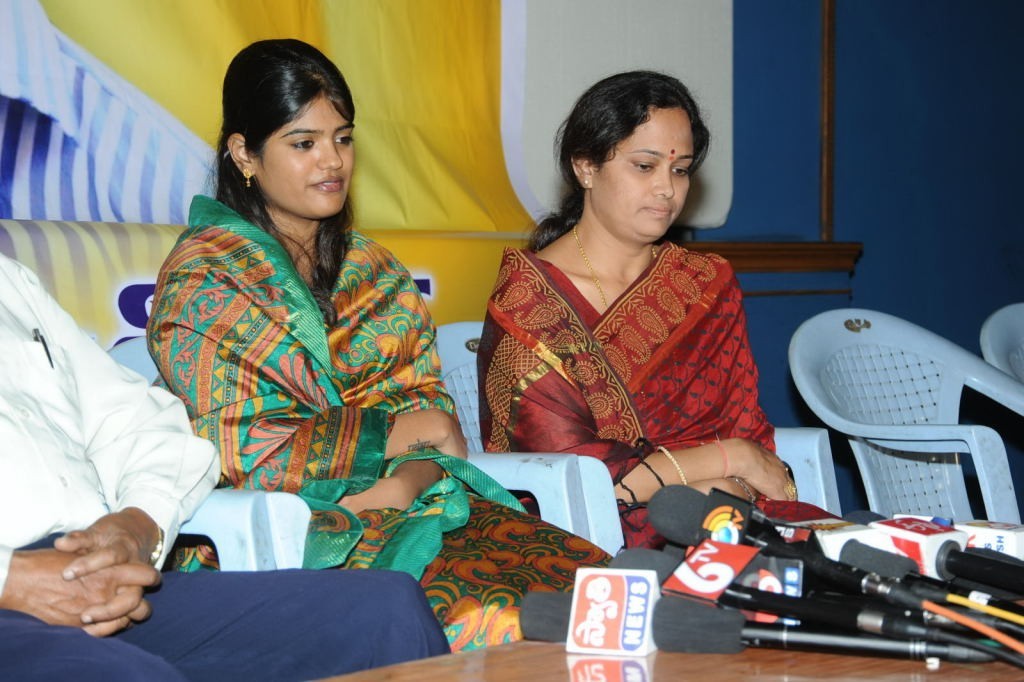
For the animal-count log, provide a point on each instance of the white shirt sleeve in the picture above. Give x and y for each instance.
(106, 434)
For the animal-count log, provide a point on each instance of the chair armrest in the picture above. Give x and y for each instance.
(927, 437)
(553, 478)
(602, 509)
(574, 493)
(809, 454)
(983, 444)
(252, 530)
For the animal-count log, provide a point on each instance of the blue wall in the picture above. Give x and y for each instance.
(929, 146)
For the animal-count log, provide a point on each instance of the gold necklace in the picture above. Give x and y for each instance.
(590, 268)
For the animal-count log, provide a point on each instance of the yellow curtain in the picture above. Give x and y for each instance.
(426, 77)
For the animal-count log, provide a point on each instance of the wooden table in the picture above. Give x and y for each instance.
(542, 662)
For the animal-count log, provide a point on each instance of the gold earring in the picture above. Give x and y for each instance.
(247, 174)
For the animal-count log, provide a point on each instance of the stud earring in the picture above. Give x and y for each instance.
(247, 174)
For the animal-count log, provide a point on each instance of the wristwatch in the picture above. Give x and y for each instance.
(159, 549)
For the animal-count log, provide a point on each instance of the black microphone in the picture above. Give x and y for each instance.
(864, 556)
(687, 626)
(985, 567)
(844, 613)
(868, 558)
(840, 612)
(686, 516)
(862, 517)
(977, 567)
(544, 616)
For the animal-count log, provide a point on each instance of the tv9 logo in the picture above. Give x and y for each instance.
(709, 568)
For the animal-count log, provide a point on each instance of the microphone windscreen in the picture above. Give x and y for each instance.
(868, 558)
(994, 555)
(687, 626)
(645, 558)
(677, 551)
(676, 512)
(544, 616)
(862, 517)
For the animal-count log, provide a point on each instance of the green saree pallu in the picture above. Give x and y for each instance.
(297, 405)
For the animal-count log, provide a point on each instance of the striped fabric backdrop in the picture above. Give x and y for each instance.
(77, 142)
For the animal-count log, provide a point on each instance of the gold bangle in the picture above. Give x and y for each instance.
(746, 488)
(663, 450)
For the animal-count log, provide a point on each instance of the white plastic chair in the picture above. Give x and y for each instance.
(1002, 340)
(252, 530)
(806, 449)
(809, 454)
(572, 492)
(894, 390)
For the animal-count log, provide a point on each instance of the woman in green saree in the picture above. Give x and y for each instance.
(305, 352)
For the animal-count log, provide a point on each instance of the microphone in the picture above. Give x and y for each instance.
(685, 516)
(834, 536)
(718, 586)
(687, 626)
(843, 613)
(544, 616)
(1007, 538)
(863, 556)
(869, 558)
(939, 552)
(712, 581)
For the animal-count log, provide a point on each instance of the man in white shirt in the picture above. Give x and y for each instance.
(97, 472)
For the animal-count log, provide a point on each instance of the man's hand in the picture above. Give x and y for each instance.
(102, 602)
(129, 535)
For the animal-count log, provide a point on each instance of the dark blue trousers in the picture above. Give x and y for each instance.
(275, 625)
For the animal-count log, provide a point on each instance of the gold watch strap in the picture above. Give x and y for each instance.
(159, 549)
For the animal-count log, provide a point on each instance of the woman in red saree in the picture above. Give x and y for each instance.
(603, 339)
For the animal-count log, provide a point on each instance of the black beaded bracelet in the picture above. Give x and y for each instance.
(653, 472)
(630, 491)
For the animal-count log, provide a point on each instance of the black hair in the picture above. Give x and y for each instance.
(267, 85)
(602, 117)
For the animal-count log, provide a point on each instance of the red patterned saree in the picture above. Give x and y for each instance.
(668, 361)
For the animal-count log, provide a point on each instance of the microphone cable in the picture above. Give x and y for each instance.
(983, 629)
(1008, 616)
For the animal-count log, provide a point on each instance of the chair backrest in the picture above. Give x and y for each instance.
(573, 493)
(457, 344)
(861, 371)
(1002, 339)
(133, 354)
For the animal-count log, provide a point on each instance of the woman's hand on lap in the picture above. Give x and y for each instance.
(397, 491)
(760, 468)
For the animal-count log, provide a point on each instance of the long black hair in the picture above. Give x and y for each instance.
(602, 117)
(267, 85)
